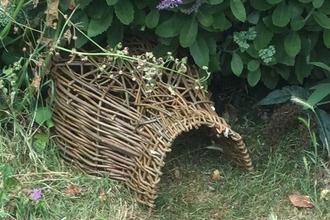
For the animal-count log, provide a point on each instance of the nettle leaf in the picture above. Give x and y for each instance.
(200, 52)
(169, 28)
(99, 25)
(273, 2)
(253, 17)
(152, 19)
(189, 32)
(215, 2)
(318, 3)
(264, 36)
(238, 10)
(322, 19)
(43, 114)
(326, 37)
(205, 18)
(112, 2)
(292, 43)
(321, 91)
(260, 5)
(115, 34)
(253, 65)
(281, 15)
(236, 64)
(253, 77)
(297, 23)
(124, 11)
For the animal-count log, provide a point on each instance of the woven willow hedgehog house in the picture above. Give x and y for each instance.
(109, 121)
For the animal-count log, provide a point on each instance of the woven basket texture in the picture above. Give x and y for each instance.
(107, 122)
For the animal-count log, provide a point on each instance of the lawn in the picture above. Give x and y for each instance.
(186, 191)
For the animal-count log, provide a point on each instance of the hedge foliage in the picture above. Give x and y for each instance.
(261, 40)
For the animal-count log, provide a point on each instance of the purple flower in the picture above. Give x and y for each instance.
(36, 194)
(165, 4)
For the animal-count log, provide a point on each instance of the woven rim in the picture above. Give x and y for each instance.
(109, 123)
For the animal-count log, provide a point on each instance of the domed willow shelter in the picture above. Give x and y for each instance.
(119, 116)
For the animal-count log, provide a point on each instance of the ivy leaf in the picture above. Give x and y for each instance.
(99, 25)
(236, 64)
(326, 37)
(292, 43)
(322, 19)
(124, 11)
(281, 15)
(253, 65)
(152, 19)
(237, 7)
(205, 18)
(253, 77)
(318, 3)
(263, 37)
(43, 114)
(200, 52)
(189, 32)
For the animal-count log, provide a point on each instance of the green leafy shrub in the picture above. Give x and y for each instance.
(261, 40)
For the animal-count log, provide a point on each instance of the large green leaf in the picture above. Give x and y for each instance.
(292, 43)
(264, 36)
(99, 25)
(302, 69)
(112, 2)
(238, 10)
(124, 11)
(214, 64)
(281, 55)
(322, 19)
(189, 32)
(295, 8)
(152, 19)
(200, 52)
(283, 70)
(205, 18)
(283, 95)
(260, 5)
(221, 23)
(326, 37)
(212, 45)
(297, 23)
(321, 91)
(281, 15)
(253, 17)
(270, 79)
(253, 65)
(80, 18)
(253, 77)
(96, 9)
(321, 65)
(236, 64)
(215, 2)
(273, 2)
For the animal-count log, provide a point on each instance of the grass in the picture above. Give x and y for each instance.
(187, 190)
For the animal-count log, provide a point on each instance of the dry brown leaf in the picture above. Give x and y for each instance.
(67, 35)
(71, 5)
(36, 83)
(45, 40)
(72, 190)
(52, 12)
(101, 194)
(4, 4)
(301, 201)
(324, 193)
(216, 175)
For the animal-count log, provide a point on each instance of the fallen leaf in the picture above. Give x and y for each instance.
(52, 12)
(324, 193)
(4, 4)
(216, 175)
(72, 190)
(301, 201)
(35, 83)
(177, 174)
(71, 5)
(101, 195)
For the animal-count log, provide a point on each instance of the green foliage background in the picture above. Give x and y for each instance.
(299, 30)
